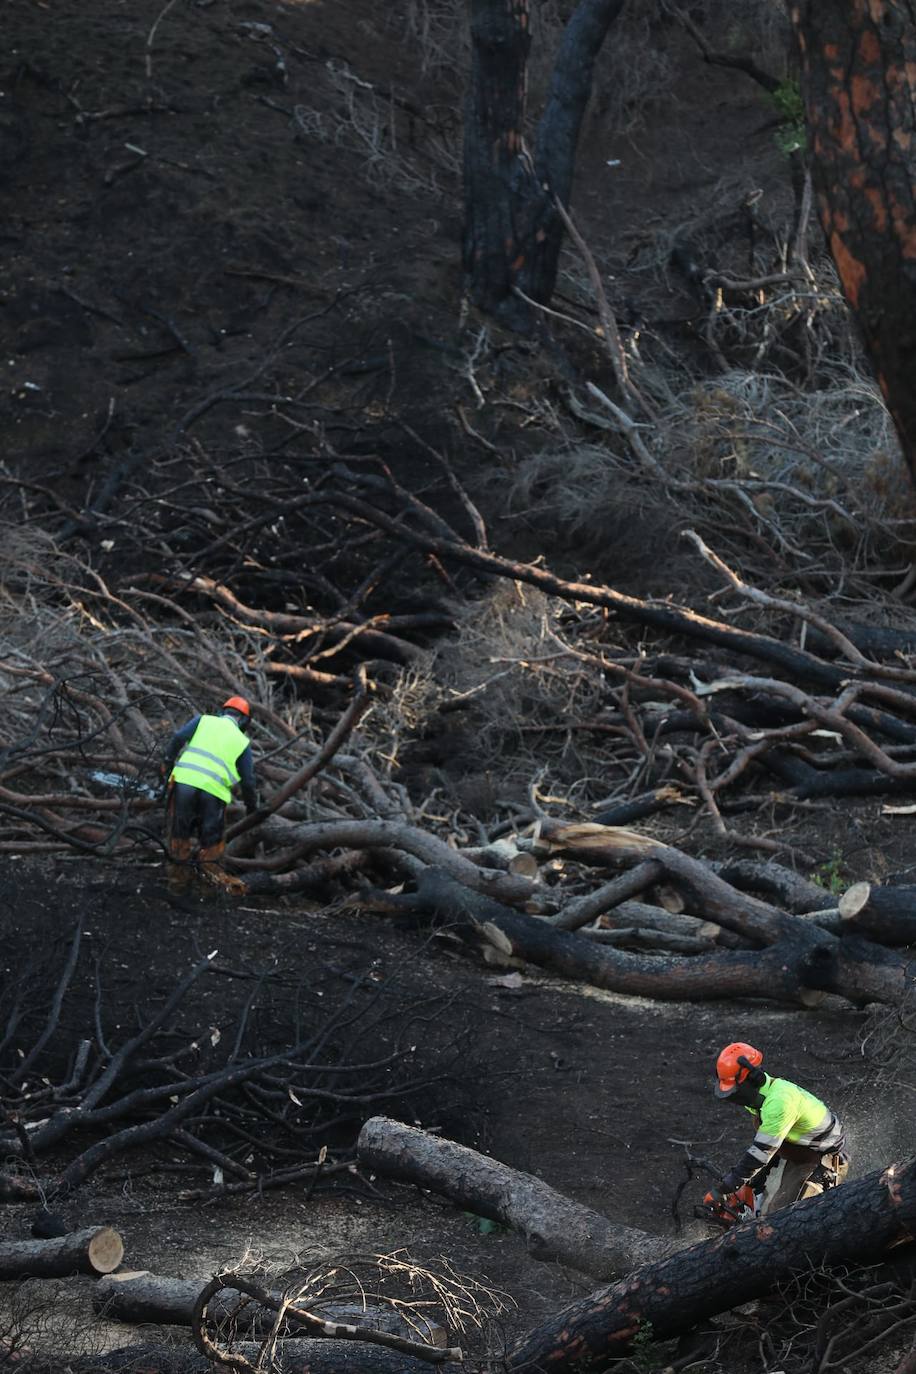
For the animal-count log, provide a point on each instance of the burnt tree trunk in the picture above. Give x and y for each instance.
(512, 231)
(856, 62)
(887, 914)
(289, 1357)
(142, 1297)
(553, 1226)
(779, 971)
(98, 1250)
(858, 1221)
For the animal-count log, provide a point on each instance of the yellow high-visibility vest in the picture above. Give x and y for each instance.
(208, 761)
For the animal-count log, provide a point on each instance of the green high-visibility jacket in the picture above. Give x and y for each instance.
(208, 761)
(789, 1115)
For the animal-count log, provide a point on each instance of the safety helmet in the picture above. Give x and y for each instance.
(730, 1071)
(237, 704)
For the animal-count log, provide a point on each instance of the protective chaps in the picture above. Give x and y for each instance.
(180, 869)
(210, 860)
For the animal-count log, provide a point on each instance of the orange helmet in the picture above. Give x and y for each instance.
(237, 704)
(730, 1071)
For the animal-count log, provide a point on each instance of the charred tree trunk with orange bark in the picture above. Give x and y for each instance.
(858, 62)
(512, 231)
(859, 1221)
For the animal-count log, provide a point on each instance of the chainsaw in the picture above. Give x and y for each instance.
(741, 1205)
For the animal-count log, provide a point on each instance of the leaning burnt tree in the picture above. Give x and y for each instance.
(857, 62)
(513, 229)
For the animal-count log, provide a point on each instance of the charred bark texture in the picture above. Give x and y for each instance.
(144, 1297)
(553, 1226)
(773, 972)
(782, 885)
(290, 1357)
(857, 63)
(499, 184)
(98, 1250)
(512, 231)
(859, 1221)
(887, 914)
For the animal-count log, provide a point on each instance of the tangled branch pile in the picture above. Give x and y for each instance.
(681, 722)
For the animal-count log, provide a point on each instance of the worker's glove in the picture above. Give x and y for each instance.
(729, 1184)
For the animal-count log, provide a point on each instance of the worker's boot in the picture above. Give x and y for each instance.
(212, 871)
(179, 870)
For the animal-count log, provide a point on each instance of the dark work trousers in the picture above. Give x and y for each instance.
(195, 812)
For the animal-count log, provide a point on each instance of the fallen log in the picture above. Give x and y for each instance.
(641, 938)
(802, 960)
(860, 971)
(97, 1250)
(358, 1333)
(139, 1296)
(553, 1226)
(877, 641)
(856, 1222)
(708, 894)
(782, 885)
(581, 910)
(646, 917)
(638, 808)
(778, 971)
(313, 877)
(310, 836)
(887, 914)
(306, 1356)
(805, 783)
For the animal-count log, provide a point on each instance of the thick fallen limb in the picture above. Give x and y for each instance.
(782, 885)
(796, 663)
(581, 910)
(637, 808)
(859, 1221)
(709, 894)
(777, 971)
(312, 878)
(392, 834)
(97, 1250)
(659, 941)
(861, 971)
(655, 918)
(288, 1357)
(887, 914)
(806, 962)
(553, 1226)
(292, 1314)
(144, 1297)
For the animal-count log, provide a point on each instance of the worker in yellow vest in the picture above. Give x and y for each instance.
(799, 1149)
(205, 759)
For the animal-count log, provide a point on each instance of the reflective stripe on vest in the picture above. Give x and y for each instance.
(208, 760)
(791, 1114)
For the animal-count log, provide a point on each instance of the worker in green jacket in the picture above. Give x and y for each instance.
(205, 760)
(799, 1148)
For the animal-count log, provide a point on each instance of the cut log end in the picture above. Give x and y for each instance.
(495, 937)
(105, 1250)
(669, 899)
(853, 900)
(524, 865)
